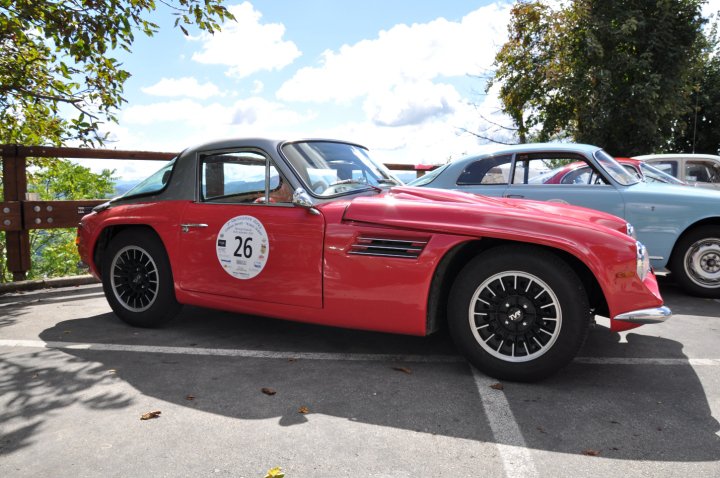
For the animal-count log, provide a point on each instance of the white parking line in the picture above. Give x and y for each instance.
(231, 352)
(18, 343)
(516, 458)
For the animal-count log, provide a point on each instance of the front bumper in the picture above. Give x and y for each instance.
(645, 316)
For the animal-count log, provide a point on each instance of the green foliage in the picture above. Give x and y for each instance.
(53, 251)
(56, 59)
(616, 74)
(698, 131)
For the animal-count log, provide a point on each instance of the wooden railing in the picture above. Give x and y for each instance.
(19, 213)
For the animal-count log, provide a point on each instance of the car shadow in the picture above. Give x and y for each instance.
(628, 412)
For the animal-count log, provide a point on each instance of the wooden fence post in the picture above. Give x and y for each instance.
(15, 189)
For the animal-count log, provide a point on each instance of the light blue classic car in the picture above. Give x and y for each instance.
(679, 225)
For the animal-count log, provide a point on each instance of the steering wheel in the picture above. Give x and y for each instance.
(319, 186)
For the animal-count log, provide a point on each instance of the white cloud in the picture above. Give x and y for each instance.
(247, 46)
(216, 119)
(410, 103)
(403, 54)
(182, 87)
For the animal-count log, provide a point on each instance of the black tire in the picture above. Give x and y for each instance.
(518, 313)
(695, 262)
(137, 279)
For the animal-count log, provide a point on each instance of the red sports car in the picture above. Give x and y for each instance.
(580, 173)
(317, 231)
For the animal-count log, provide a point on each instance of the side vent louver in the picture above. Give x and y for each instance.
(387, 247)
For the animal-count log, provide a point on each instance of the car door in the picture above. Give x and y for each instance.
(243, 238)
(582, 185)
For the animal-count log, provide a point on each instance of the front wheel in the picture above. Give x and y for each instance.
(696, 262)
(518, 313)
(137, 279)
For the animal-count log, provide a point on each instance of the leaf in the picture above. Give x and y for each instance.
(303, 410)
(150, 415)
(590, 452)
(275, 473)
(497, 386)
(190, 397)
(268, 391)
(403, 370)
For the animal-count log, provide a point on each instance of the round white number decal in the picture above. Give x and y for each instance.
(243, 247)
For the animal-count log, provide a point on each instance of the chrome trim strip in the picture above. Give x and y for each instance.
(646, 316)
(404, 241)
(390, 248)
(387, 247)
(656, 258)
(186, 227)
(380, 254)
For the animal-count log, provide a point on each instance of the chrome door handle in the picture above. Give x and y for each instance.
(186, 227)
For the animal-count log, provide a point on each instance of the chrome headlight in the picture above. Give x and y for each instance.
(630, 231)
(643, 261)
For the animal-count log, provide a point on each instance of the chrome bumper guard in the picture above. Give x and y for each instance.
(646, 316)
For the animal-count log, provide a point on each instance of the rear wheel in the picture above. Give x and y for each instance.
(518, 313)
(137, 279)
(696, 261)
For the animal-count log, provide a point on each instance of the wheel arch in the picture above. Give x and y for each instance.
(109, 232)
(710, 221)
(454, 260)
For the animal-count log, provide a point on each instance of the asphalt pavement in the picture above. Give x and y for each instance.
(239, 395)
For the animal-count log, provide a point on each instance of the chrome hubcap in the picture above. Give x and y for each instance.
(134, 278)
(702, 262)
(515, 316)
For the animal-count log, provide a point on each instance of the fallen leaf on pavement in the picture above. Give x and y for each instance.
(268, 391)
(497, 386)
(590, 452)
(149, 415)
(304, 410)
(275, 473)
(403, 370)
(190, 397)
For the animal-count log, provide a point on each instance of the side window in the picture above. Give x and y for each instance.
(494, 170)
(242, 177)
(555, 168)
(669, 167)
(580, 175)
(702, 171)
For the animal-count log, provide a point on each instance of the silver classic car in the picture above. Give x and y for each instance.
(679, 225)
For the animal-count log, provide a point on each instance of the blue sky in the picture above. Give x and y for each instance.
(398, 76)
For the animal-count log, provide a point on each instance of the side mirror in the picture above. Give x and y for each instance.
(302, 199)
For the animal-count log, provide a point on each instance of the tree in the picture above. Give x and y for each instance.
(59, 81)
(698, 131)
(56, 58)
(617, 74)
(532, 80)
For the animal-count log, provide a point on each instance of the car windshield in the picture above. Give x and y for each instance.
(155, 183)
(614, 169)
(654, 175)
(331, 168)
